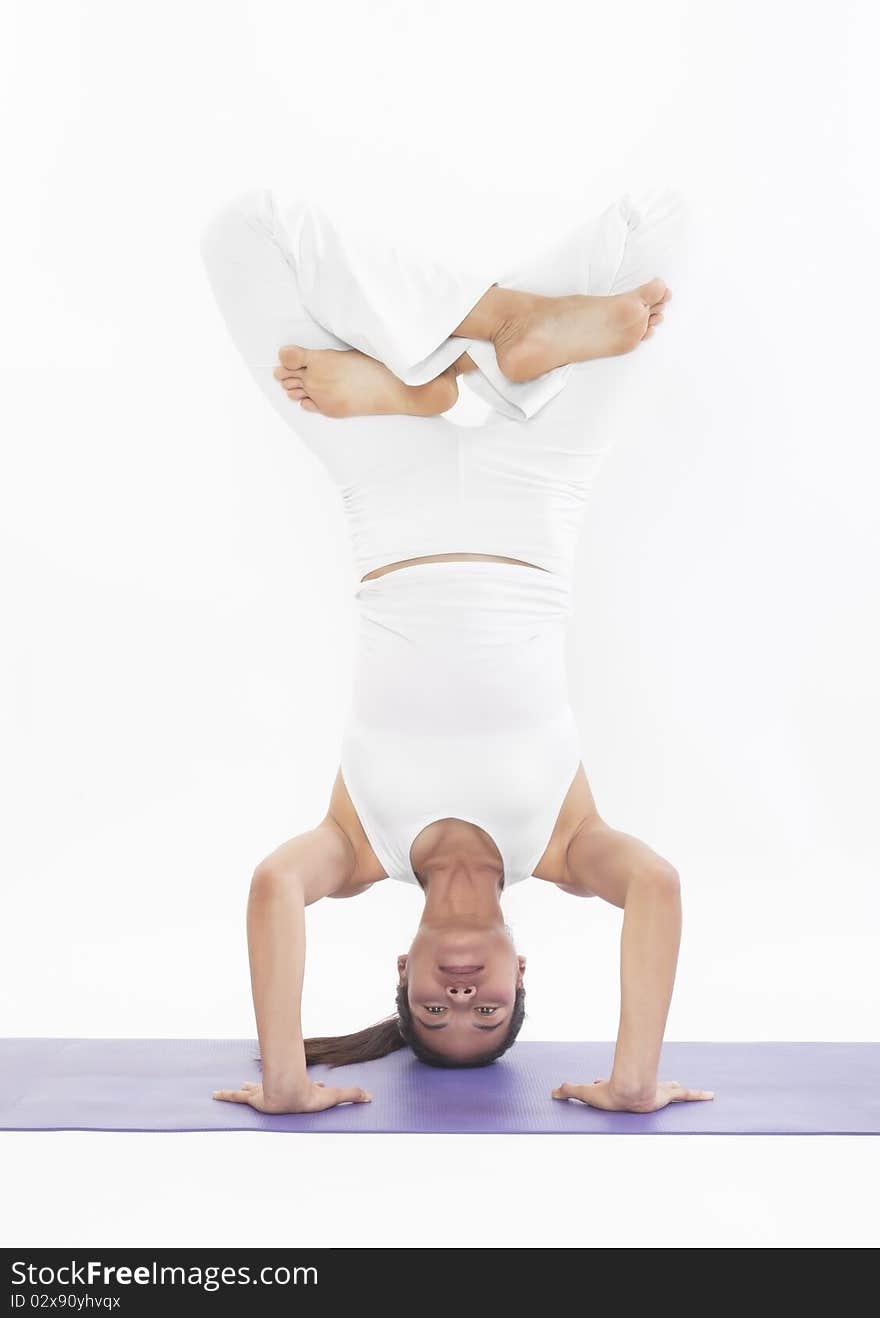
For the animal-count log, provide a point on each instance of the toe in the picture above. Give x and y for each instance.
(293, 357)
(652, 292)
(308, 406)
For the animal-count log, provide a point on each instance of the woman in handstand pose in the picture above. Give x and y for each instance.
(460, 768)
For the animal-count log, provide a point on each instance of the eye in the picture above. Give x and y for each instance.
(486, 1011)
(434, 1011)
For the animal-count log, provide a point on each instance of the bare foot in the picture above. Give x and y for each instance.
(342, 383)
(552, 331)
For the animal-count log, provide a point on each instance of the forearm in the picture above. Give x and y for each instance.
(648, 956)
(276, 947)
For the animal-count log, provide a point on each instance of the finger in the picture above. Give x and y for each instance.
(681, 1095)
(231, 1095)
(249, 1084)
(567, 1091)
(352, 1095)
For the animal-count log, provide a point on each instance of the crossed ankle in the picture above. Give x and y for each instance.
(437, 396)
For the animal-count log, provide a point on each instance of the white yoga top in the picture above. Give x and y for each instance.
(460, 708)
(459, 704)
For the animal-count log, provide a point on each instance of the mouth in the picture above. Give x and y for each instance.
(461, 970)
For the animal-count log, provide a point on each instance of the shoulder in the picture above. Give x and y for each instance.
(577, 810)
(342, 816)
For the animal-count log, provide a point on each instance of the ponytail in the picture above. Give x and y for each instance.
(363, 1046)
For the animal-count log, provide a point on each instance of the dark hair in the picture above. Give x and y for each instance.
(398, 1032)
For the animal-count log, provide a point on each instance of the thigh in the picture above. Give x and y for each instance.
(250, 257)
(254, 283)
(251, 267)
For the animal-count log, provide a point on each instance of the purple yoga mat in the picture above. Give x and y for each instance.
(166, 1084)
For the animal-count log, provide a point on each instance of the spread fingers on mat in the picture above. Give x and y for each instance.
(600, 1094)
(335, 1096)
(233, 1095)
(568, 1090)
(681, 1095)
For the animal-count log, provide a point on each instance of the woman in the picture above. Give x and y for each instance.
(460, 768)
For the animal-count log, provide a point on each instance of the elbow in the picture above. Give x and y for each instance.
(270, 883)
(660, 880)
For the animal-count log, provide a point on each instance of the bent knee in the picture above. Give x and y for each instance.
(241, 213)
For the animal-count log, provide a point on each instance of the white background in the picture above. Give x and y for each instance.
(177, 635)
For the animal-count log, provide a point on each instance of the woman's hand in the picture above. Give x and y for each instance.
(602, 1094)
(313, 1096)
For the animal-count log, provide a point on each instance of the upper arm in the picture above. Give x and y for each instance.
(595, 865)
(607, 862)
(323, 860)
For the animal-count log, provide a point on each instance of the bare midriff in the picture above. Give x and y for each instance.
(448, 558)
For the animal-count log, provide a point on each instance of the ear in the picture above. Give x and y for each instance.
(521, 962)
(401, 967)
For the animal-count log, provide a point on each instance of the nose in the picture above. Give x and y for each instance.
(460, 992)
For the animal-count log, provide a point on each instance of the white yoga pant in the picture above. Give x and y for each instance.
(284, 272)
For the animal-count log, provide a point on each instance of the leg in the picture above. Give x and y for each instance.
(595, 269)
(417, 317)
(395, 305)
(548, 465)
(347, 384)
(533, 334)
(255, 276)
(465, 364)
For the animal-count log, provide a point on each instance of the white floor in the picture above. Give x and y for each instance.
(248, 1190)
